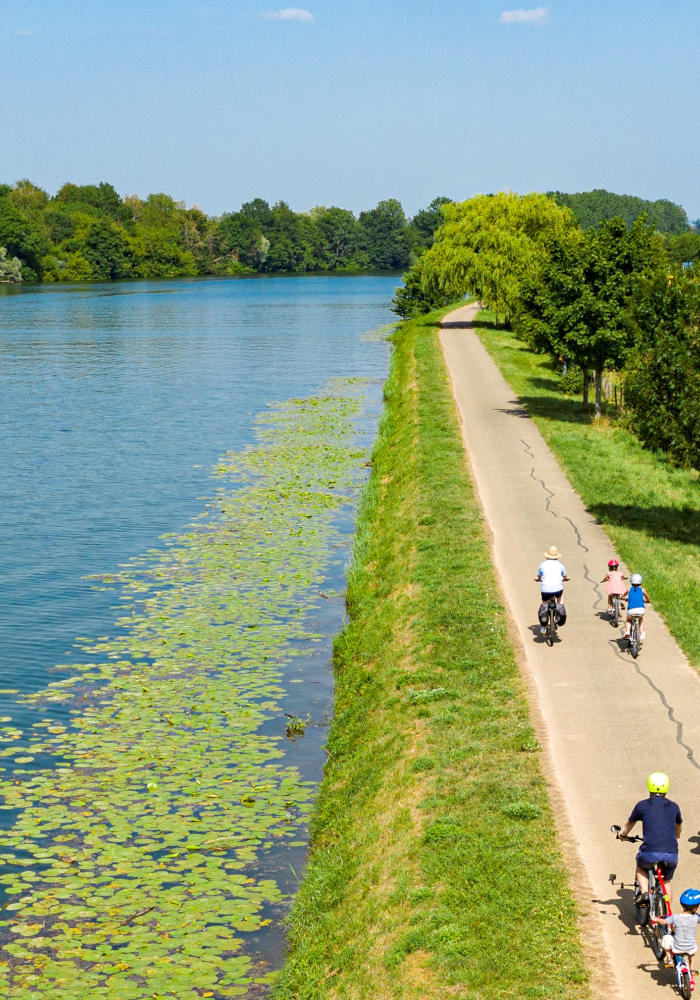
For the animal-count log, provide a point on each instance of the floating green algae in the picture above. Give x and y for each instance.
(127, 865)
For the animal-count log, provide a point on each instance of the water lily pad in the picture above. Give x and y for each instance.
(140, 845)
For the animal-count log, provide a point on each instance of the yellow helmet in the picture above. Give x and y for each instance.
(658, 783)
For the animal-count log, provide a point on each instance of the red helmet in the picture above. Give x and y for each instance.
(613, 564)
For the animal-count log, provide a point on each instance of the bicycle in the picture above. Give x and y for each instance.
(684, 977)
(552, 623)
(635, 643)
(656, 903)
(616, 611)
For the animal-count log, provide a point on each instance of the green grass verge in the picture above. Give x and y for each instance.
(434, 870)
(650, 509)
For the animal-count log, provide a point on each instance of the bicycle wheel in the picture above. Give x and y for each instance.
(658, 930)
(685, 983)
(551, 627)
(642, 911)
(615, 612)
(634, 639)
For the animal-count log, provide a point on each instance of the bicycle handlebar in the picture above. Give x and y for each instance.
(616, 830)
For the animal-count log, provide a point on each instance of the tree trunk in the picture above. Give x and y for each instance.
(585, 389)
(598, 387)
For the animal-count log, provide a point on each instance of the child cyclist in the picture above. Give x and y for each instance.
(636, 595)
(685, 924)
(613, 582)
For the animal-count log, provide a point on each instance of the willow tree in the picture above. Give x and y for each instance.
(489, 244)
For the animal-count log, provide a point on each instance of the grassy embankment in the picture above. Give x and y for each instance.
(434, 870)
(650, 509)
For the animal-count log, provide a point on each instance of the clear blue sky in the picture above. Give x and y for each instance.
(216, 103)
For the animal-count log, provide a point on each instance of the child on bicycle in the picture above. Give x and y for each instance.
(613, 582)
(685, 925)
(636, 595)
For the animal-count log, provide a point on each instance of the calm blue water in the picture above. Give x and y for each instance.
(115, 400)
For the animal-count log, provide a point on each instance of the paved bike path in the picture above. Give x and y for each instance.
(609, 720)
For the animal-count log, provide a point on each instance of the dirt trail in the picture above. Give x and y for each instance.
(610, 720)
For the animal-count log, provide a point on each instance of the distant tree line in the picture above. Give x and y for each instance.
(681, 238)
(611, 297)
(593, 207)
(89, 232)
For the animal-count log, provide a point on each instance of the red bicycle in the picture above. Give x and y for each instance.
(651, 905)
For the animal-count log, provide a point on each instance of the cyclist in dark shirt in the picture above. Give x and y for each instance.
(661, 827)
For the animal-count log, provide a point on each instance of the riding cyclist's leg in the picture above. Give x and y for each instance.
(667, 945)
(643, 880)
(542, 614)
(668, 869)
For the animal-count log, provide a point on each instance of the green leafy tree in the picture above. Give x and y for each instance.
(295, 243)
(340, 237)
(60, 224)
(239, 244)
(196, 236)
(662, 374)
(424, 224)
(67, 267)
(23, 237)
(413, 300)
(576, 306)
(10, 267)
(30, 199)
(593, 207)
(385, 235)
(105, 248)
(259, 210)
(683, 249)
(102, 197)
(488, 246)
(154, 253)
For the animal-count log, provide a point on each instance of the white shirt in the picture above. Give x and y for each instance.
(552, 573)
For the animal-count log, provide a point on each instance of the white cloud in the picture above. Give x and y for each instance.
(288, 14)
(535, 16)
(25, 32)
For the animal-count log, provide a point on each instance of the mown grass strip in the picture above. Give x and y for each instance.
(650, 508)
(434, 869)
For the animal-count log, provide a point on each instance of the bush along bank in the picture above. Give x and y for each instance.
(434, 869)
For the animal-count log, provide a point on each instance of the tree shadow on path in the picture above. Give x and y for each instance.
(677, 524)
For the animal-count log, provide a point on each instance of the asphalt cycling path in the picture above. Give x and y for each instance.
(608, 720)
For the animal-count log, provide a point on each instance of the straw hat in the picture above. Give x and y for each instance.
(552, 552)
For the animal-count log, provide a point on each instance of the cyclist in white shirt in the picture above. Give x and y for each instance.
(551, 577)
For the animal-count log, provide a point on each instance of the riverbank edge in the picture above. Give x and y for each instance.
(434, 868)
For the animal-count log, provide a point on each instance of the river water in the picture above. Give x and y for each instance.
(115, 401)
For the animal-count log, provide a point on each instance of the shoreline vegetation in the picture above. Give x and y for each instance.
(90, 233)
(649, 507)
(434, 869)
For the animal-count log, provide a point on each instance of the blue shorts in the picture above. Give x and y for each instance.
(650, 859)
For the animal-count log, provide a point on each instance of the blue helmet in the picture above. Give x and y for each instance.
(691, 897)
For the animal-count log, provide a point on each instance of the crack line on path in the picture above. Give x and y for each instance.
(662, 697)
(669, 708)
(562, 517)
